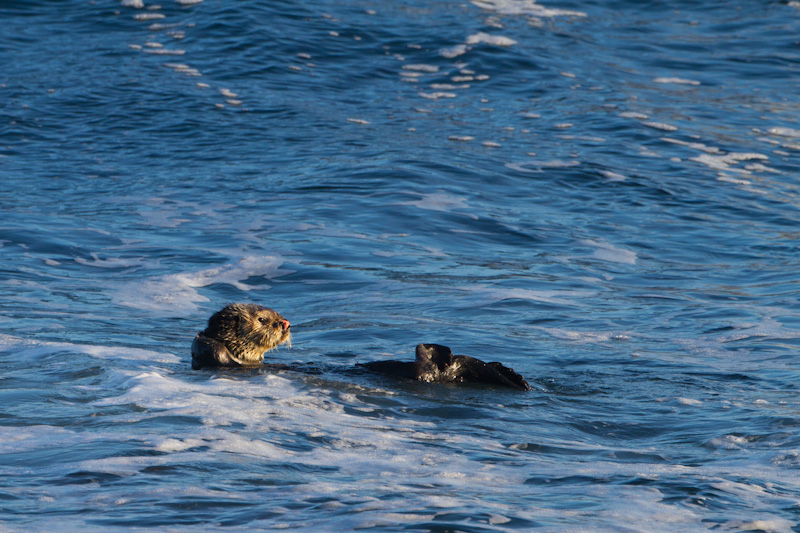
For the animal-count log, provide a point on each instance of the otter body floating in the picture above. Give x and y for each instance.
(436, 364)
(239, 335)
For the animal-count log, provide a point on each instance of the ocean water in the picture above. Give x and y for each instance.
(603, 195)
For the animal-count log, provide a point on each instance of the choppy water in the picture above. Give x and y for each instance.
(602, 195)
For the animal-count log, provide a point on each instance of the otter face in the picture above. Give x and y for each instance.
(249, 330)
(268, 330)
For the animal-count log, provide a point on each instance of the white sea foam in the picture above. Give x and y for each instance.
(585, 337)
(633, 114)
(218, 402)
(736, 181)
(437, 95)
(177, 294)
(226, 442)
(359, 445)
(784, 132)
(758, 167)
(679, 81)
(149, 16)
(524, 7)
(726, 162)
(494, 40)
(165, 51)
(660, 126)
(160, 26)
(694, 145)
(33, 350)
(766, 524)
(448, 86)
(766, 327)
(422, 68)
(453, 51)
(689, 401)
(183, 69)
(34, 437)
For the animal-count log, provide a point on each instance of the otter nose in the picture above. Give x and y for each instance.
(286, 324)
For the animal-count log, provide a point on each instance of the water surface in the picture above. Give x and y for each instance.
(602, 195)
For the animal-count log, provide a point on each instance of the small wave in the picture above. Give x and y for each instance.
(177, 294)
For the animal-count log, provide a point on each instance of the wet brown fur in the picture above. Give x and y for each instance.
(239, 335)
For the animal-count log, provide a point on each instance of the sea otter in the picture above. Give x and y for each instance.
(239, 335)
(437, 364)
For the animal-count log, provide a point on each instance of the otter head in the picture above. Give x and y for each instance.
(248, 330)
(433, 362)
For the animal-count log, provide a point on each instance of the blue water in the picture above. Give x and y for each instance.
(602, 195)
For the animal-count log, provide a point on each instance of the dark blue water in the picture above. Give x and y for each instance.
(602, 195)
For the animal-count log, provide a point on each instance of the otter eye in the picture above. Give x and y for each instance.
(263, 320)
